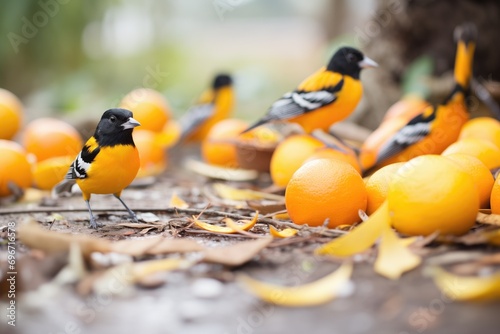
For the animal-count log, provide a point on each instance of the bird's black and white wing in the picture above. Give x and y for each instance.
(296, 103)
(417, 129)
(81, 165)
(194, 117)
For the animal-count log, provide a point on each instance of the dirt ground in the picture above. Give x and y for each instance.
(409, 305)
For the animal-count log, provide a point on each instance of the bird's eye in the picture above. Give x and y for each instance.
(112, 119)
(350, 58)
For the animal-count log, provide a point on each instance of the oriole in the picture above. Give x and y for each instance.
(437, 126)
(214, 105)
(108, 162)
(326, 97)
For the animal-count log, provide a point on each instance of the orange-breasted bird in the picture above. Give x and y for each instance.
(214, 105)
(326, 97)
(108, 162)
(433, 129)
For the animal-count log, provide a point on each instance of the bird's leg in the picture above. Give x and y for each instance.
(130, 212)
(93, 221)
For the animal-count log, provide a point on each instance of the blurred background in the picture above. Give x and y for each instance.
(74, 59)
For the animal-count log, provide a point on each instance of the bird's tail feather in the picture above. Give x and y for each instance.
(63, 188)
(466, 35)
(255, 125)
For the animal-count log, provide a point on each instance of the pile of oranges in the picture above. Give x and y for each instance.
(47, 146)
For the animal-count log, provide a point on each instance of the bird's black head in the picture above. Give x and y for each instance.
(115, 128)
(222, 80)
(349, 61)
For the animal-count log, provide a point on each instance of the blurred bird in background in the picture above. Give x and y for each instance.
(214, 105)
(326, 97)
(408, 133)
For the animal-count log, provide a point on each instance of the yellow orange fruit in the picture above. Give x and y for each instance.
(290, 155)
(331, 153)
(431, 193)
(49, 137)
(11, 114)
(150, 108)
(219, 146)
(325, 189)
(151, 152)
(377, 186)
(49, 172)
(495, 197)
(482, 149)
(482, 128)
(481, 175)
(170, 134)
(14, 167)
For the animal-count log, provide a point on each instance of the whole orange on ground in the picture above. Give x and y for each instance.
(149, 107)
(290, 155)
(495, 197)
(377, 186)
(219, 147)
(170, 134)
(14, 167)
(49, 172)
(151, 152)
(50, 137)
(11, 114)
(331, 153)
(482, 128)
(325, 189)
(431, 193)
(482, 149)
(481, 175)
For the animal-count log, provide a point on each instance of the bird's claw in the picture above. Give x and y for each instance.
(134, 218)
(94, 224)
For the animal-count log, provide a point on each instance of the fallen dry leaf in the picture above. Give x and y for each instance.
(266, 207)
(361, 238)
(34, 236)
(467, 288)
(215, 172)
(490, 219)
(234, 228)
(394, 258)
(319, 292)
(286, 233)
(177, 202)
(155, 246)
(237, 254)
(236, 194)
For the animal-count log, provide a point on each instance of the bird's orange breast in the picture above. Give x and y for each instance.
(347, 100)
(112, 170)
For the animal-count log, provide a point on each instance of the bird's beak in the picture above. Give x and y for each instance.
(130, 124)
(367, 62)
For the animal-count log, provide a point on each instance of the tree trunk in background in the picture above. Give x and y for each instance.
(403, 30)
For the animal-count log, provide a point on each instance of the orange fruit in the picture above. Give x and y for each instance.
(49, 172)
(481, 175)
(11, 114)
(482, 128)
(289, 155)
(150, 108)
(170, 134)
(431, 193)
(14, 167)
(482, 149)
(495, 197)
(219, 146)
(50, 137)
(151, 152)
(325, 189)
(331, 153)
(377, 186)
